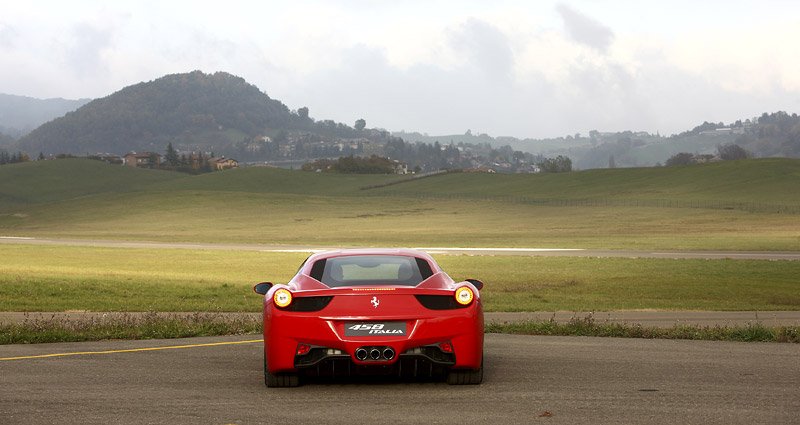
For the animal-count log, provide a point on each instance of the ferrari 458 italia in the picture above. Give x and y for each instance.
(372, 312)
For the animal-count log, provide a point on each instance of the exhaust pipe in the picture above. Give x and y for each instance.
(375, 354)
(361, 354)
(388, 353)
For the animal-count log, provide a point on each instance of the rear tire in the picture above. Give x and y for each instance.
(465, 377)
(279, 380)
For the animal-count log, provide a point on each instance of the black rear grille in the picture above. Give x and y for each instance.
(308, 304)
(426, 364)
(439, 302)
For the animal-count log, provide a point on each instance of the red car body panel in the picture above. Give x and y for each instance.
(285, 330)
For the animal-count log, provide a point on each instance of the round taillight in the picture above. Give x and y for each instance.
(464, 295)
(282, 298)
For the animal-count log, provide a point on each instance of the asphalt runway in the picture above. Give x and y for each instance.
(530, 252)
(528, 379)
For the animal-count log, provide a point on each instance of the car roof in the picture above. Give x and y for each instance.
(304, 274)
(404, 252)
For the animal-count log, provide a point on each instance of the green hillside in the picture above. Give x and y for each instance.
(758, 180)
(278, 180)
(87, 199)
(51, 181)
(67, 179)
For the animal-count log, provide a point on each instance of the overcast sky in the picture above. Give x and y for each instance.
(517, 68)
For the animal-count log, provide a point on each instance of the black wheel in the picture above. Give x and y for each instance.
(279, 380)
(465, 377)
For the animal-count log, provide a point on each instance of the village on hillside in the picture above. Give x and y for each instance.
(302, 151)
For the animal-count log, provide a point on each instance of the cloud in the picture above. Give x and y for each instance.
(484, 47)
(7, 35)
(428, 97)
(85, 48)
(584, 29)
(506, 68)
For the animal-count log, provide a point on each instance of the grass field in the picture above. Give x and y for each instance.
(197, 216)
(57, 278)
(743, 205)
(86, 199)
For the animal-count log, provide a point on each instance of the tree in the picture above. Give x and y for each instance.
(353, 165)
(730, 152)
(41, 156)
(172, 156)
(303, 112)
(559, 164)
(611, 162)
(154, 160)
(681, 158)
(281, 136)
(360, 124)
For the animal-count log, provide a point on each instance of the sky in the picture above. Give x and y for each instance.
(506, 68)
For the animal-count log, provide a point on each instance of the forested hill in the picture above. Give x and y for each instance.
(770, 135)
(207, 110)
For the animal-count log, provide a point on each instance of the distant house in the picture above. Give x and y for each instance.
(107, 158)
(529, 169)
(222, 163)
(721, 132)
(143, 160)
(400, 167)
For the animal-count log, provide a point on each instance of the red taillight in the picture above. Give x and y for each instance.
(303, 349)
(464, 295)
(282, 298)
(446, 347)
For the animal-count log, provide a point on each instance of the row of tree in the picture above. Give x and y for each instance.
(726, 152)
(435, 156)
(427, 156)
(559, 164)
(353, 165)
(194, 163)
(6, 158)
(776, 134)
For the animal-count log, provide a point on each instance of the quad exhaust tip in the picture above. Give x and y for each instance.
(375, 353)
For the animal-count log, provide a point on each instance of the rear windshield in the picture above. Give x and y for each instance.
(359, 270)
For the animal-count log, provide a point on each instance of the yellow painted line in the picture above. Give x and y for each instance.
(130, 350)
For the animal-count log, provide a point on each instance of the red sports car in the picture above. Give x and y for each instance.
(372, 311)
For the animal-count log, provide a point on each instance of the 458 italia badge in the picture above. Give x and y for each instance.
(375, 329)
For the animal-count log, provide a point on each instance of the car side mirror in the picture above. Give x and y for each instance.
(262, 288)
(476, 283)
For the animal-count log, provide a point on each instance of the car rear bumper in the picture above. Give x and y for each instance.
(425, 343)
